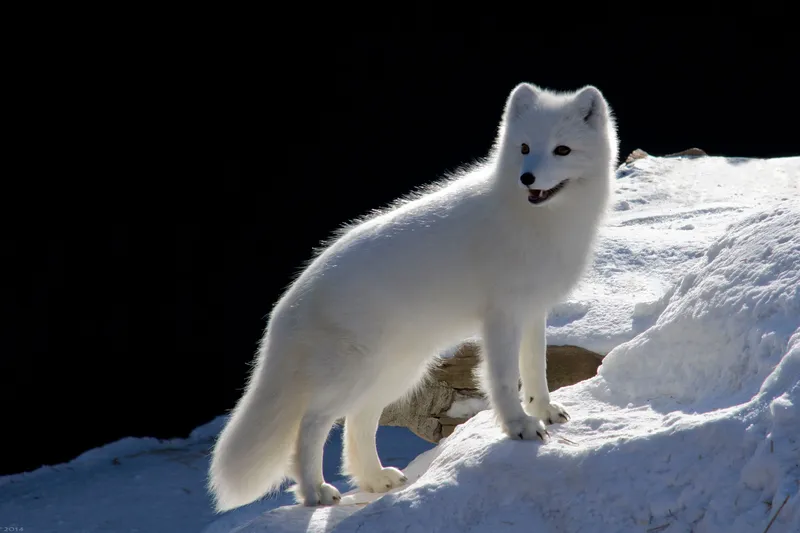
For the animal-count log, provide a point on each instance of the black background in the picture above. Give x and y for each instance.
(141, 266)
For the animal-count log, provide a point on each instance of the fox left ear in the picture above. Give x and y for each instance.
(522, 98)
(592, 106)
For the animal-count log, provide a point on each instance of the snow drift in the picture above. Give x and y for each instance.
(693, 425)
(665, 214)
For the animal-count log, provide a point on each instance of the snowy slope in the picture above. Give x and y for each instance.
(692, 426)
(665, 213)
(130, 485)
(150, 486)
(669, 433)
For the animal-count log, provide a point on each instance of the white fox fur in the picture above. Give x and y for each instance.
(471, 254)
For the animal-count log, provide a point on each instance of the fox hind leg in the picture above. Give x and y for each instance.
(311, 488)
(360, 455)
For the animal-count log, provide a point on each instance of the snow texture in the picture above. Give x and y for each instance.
(665, 213)
(140, 485)
(691, 425)
(467, 407)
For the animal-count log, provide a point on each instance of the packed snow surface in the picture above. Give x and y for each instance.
(665, 213)
(148, 486)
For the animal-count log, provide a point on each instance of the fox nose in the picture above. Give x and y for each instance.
(527, 179)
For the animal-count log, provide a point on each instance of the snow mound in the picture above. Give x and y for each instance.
(694, 425)
(134, 484)
(728, 322)
(154, 486)
(665, 213)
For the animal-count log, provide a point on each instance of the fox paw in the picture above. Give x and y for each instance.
(552, 413)
(325, 494)
(525, 428)
(381, 481)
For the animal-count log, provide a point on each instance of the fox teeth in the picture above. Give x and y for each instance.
(541, 193)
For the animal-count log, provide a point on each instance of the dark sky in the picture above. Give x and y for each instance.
(138, 282)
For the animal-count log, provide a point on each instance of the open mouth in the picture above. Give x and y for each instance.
(538, 196)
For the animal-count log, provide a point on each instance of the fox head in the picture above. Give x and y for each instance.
(553, 144)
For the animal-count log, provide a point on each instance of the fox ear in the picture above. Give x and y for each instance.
(521, 99)
(592, 106)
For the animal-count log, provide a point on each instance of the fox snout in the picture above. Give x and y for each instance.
(527, 179)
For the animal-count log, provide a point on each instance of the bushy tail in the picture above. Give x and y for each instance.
(251, 456)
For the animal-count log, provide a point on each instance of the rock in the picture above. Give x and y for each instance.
(641, 154)
(457, 371)
(567, 365)
(693, 152)
(425, 411)
(636, 154)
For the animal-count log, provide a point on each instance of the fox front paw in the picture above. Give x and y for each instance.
(525, 428)
(552, 413)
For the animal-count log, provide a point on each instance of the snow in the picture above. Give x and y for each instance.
(467, 407)
(666, 212)
(148, 486)
(692, 423)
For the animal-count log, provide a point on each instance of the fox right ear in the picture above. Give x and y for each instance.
(520, 100)
(591, 105)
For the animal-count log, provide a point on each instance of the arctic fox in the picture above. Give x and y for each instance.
(486, 251)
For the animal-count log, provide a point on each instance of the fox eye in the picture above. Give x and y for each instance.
(525, 149)
(562, 150)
